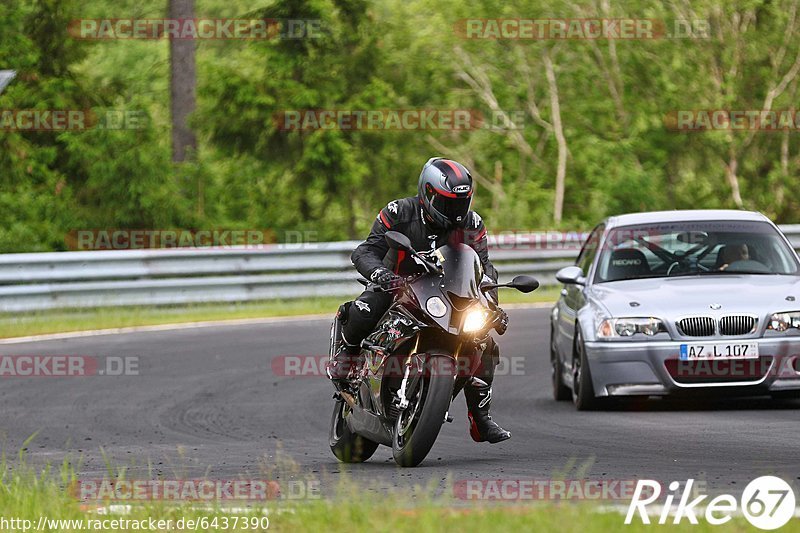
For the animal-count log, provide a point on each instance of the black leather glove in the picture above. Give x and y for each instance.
(501, 322)
(385, 278)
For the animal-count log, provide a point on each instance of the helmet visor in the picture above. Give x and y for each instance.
(454, 209)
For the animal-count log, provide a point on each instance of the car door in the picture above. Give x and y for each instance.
(572, 297)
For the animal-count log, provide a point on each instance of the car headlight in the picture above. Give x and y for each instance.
(784, 321)
(436, 307)
(475, 320)
(627, 327)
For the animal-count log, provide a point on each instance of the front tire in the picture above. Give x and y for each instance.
(582, 389)
(419, 424)
(347, 446)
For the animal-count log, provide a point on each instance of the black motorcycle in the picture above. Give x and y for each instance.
(421, 354)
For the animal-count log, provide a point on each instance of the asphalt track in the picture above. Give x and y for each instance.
(209, 402)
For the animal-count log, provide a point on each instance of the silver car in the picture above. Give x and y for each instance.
(678, 302)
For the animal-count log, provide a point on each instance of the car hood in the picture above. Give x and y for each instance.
(671, 297)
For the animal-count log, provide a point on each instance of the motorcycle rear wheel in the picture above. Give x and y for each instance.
(347, 446)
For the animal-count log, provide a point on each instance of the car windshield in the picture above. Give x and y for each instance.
(694, 248)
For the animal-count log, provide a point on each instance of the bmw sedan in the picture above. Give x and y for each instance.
(674, 302)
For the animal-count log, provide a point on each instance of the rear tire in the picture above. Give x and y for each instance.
(422, 425)
(347, 446)
(561, 392)
(582, 389)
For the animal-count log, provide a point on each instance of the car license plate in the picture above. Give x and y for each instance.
(724, 350)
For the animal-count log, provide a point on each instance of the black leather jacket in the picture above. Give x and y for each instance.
(406, 216)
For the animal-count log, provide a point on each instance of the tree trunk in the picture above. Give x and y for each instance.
(558, 129)
(498, 183)
(733, 180)
(183, 82)
(5, 78)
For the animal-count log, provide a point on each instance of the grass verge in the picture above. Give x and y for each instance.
(60, 321)
(41, 502)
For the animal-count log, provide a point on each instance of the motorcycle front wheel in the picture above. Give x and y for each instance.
(418, 425)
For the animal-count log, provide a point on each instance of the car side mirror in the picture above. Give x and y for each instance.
(571, 275)
(398, 241)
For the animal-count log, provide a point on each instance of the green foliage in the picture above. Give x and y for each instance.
(615, 99)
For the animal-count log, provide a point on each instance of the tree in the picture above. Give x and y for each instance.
(183, 83)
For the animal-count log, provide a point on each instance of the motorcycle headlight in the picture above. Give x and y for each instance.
(784, 321)
(436, 307)
(628, 327)
(475, 320)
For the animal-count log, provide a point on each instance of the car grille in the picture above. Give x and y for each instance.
(737, 325)
(705, 326)
(697, 326)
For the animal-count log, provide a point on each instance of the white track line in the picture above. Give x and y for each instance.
(163, 327)
(205, 324)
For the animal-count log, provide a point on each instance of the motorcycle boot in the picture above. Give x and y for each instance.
(342, 356)
(478, 393)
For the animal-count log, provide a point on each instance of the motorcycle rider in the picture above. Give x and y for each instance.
(440, 213)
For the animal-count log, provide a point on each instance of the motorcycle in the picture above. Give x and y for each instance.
(424, 350)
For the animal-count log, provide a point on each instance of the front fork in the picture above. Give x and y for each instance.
(414, 368)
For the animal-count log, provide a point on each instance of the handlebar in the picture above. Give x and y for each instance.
(398, 284)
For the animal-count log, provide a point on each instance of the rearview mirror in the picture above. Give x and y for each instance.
(521, 283)
(524, 284)
(571, 275)
(398, 241)
(693, 237)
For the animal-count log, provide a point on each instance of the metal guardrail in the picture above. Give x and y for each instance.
(40, 281)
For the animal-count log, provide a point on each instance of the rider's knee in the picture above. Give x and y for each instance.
(359, 321)
(343, 312)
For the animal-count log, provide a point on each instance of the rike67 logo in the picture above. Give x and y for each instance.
(767, 502)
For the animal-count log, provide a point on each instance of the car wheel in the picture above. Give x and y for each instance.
(561, 392)
(582, 390)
